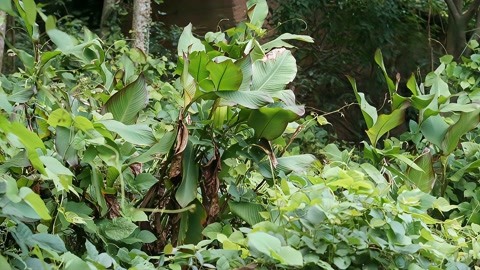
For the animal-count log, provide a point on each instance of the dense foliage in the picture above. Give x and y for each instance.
(113, 159)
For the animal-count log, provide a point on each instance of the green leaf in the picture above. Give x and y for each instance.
(289, 256)
(55, 166)
(434, 129)
(187, 191)
(225, 75)
(249, 212)
(413, 86)
(274, 72)
(60, 117)
(118, 228)
(188, 43)
(270, 123)
(261, 242)
(379, 61)
(369, 112)
(138, 134)
(63, 144)
(160, 148)
(72, 262)
(257, 11)
(296, 163)
(34, 200)
(3, 261)
(65, 43)
(198, 65)
(248, 99)
(31, 11)
(466, 122)
(424, 179)
(128, 102)
(280, 41)
(385, 123)
(48, 242)
(7, 7)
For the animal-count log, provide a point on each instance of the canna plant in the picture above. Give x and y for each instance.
(99, 154)
(447, 107)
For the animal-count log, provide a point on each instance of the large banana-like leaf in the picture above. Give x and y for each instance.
(270, 123)
(128, 102)
(466, 122)
(274, 72)
(250, 212)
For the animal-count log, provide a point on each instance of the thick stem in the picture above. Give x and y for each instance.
(3, 29)
(141, 24)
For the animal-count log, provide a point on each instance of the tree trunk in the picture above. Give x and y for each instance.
(3, 29)
(457, 29)
(107, 10)
(141, 24)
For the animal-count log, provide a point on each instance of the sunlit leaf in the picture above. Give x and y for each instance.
(385, 123)
(138, 134)
(257, 11)
(466, 122)
(34, 200)
(369, 112)
(188, 43)
(225, 75)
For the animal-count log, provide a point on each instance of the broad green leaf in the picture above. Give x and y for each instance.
(413, 86)
(63, 144)
(3, 261)
(128, 102)
(34, 200)
(248, 99)
(31, 11)
(274, 72)
(72, 262)
(48, 242)
(7, 7)
(29, 139)
(187, 191)
(257, 11)
(118, 228)
(192, 223)
(198, 65)
(225, 75)
(188, 43)
(97, 188)
(466, 122)
(263, 242)
(245, 64)
(287, 255)
(138, 134)
(385, 123)
(249, 212)
(369, 112)
(160, 148)
(280, 41)
(4, 104)
(434, 129)
(374, 174)
(424, 179)
(438, 86)
(83, 123)
(60, 117)
(65, 43)
(379, 61)
(296, 163)
(55, 166)
(270, 123)
(11, 188)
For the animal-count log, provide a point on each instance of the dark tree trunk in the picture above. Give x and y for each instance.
(457, 29)
(107, 10)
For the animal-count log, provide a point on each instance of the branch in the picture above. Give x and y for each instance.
(453, 9)
(472, 9)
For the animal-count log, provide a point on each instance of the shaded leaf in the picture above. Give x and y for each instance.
(225, 75)
(187, 191)
(128, 102)
(424, 179)
(369, 112)
(466, 122)
(249, 212)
